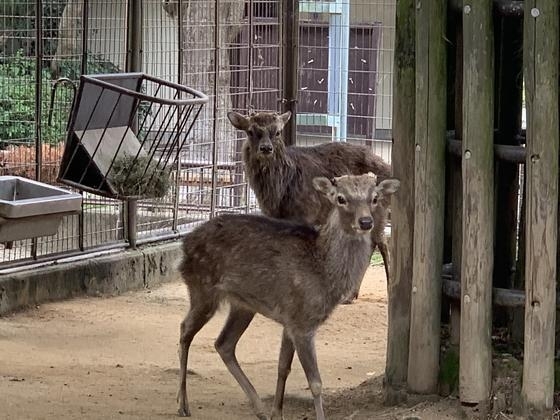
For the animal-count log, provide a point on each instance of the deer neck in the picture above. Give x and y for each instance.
(345, 257)
(269, 178)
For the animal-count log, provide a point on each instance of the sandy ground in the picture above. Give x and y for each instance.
(116, 358)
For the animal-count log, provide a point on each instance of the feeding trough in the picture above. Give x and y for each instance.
(125, 134)
(29, 209)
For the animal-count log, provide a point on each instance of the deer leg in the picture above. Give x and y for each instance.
(197, 317)
(284, 367)
(236, 324)
(384, 251)
(305, 347)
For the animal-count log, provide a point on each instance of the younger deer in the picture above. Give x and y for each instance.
(291, 273)
(281, 176)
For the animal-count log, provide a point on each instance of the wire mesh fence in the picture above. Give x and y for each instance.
(231, 50)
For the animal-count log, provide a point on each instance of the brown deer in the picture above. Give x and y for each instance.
(281, 176)
(291, 273)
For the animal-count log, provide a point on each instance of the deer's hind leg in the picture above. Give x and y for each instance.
(237, 322)
(202, 307)
(285, 360)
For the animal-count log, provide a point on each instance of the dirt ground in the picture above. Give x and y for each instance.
(116, 358)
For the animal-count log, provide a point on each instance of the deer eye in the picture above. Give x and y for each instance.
(374, 201)
(341, 200)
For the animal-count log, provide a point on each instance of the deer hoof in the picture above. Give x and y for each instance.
(184, 412)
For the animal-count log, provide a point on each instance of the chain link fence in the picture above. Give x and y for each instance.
(229, 49)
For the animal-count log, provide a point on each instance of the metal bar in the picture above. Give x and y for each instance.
(38, 101)
(217, 53)
(198, 98)
(250, 58)
(131, 221)
(290, 62)
(179, 81)
(57, 258)
(85, 31)
(134, 36)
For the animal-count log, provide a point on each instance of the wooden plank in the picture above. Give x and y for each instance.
(511, 298)
(512, 154)
(402, 206)
(429, 191)
(475, 371)
(540, 45)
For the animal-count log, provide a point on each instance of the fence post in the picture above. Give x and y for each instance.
(290, 30)
(477, 260)
(429, 187)
(133, 64)
(540, 46)
(402, 206)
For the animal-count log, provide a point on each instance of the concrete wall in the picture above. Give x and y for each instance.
(106, 275)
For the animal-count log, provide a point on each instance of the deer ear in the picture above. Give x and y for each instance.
(285, 117)
(388, 187)
(323, 185)
(238, 121)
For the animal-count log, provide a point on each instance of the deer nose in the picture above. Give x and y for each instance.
(366, 223)
(265, 148)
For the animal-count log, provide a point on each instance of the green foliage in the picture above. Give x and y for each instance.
(19, 18)
(376, 258)
(449, 370)
(18, 96)
(139, 176)
(17, 103)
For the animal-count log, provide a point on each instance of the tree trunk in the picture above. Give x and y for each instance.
(201, 71)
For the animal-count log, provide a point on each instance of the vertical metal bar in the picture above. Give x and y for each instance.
(131, 219)
(85, 29)
(134, 36)
(83, 70)
(250, 85)
(38, 100)
(179, 146)
(250, 57)
(38, 86)
(217, 53)
(133, 64)
(290, 50)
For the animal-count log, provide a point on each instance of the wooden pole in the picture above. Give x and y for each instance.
(477, 260)
(402, 206)
(540, 45)
(429, 192)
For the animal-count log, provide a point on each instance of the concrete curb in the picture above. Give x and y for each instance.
(105, 275)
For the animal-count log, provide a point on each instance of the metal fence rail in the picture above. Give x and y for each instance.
(229, 49)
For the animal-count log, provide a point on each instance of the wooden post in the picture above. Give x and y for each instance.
(540, 47)
(477, 260)
(402, 206)
(429, 191)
